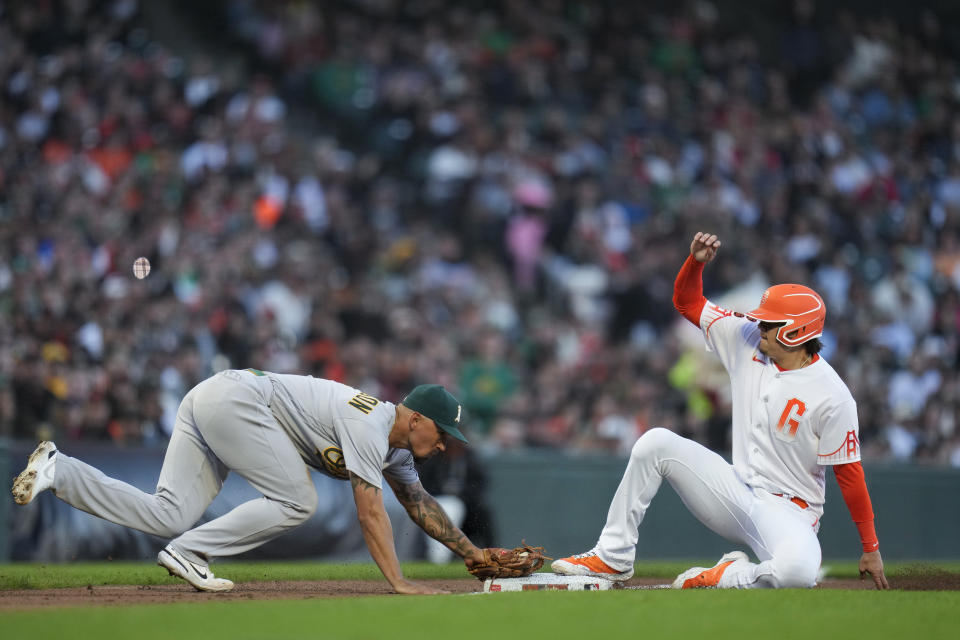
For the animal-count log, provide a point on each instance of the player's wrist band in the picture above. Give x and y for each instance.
(868, 536)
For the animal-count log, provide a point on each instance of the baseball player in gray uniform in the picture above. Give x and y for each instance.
(270, 428)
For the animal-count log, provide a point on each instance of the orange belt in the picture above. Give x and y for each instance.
(800, 502)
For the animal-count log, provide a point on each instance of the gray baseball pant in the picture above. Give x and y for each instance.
(223, 424)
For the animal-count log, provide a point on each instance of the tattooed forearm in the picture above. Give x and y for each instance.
(430, 516)
(357, 481)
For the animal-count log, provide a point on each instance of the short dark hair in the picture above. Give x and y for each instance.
(813, 347)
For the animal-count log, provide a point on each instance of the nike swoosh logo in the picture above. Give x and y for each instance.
(186, 569)
(755, 359)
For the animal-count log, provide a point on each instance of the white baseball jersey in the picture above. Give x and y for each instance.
(787, 425)
(337, 428)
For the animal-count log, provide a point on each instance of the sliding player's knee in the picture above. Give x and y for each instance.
(653, 442)
(793, 571)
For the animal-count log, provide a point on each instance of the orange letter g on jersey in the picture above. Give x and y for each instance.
(793, 405)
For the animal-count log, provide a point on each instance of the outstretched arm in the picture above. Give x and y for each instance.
(378, 534)
(853, 486)
(688, 287)
(424, 510)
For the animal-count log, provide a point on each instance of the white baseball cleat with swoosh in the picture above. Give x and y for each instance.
(38, 476)
(589, 564)
(197, 575)
(704, 577)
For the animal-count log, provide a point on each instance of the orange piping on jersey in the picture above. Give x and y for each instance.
(851, 435)
(724, 313)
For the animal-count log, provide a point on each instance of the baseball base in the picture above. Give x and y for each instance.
(547, 581)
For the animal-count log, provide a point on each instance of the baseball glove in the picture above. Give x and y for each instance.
(507, 563)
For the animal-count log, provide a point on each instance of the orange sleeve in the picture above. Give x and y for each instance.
(688, 290)
(853, 486)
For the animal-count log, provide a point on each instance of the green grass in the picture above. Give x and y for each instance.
(716, 615)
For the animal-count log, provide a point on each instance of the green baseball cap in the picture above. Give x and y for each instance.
(438, 404)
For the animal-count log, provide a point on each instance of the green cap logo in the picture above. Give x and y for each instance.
(438, 404)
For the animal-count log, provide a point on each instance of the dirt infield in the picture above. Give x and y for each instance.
(119, 595)
(163, 594)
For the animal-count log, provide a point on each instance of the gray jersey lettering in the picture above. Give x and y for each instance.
(337, 429)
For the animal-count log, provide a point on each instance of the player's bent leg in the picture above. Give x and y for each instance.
(252, 523)
(791, 559)
(791, 571)
(794, 565)
(241, 529)
(190, 479)
(703, 479)
(234, 418)
(787, 570)
(789, 550)
(735, 571)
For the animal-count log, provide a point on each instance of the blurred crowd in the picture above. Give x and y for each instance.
(495, 196)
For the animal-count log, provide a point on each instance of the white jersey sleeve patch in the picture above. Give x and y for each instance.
(729, 334)
(839, 441)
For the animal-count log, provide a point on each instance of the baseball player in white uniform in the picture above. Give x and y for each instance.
(269, 428)
(792, 417)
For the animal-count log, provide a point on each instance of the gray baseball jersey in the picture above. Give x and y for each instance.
(262, 426)
(337, 428)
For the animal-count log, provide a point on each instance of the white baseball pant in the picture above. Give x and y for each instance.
(781, 534)
(223, 424)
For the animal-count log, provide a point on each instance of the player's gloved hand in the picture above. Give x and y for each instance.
(872, 563)
(473, 557)
(505, 563)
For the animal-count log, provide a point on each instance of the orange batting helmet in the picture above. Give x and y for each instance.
(800, 309)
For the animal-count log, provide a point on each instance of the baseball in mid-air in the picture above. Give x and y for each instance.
(141, 267)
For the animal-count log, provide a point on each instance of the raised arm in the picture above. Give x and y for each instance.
(378, 534)
(688, 287)
(424, 510)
